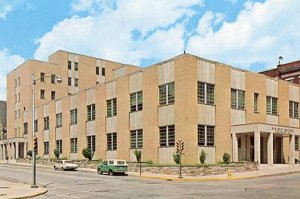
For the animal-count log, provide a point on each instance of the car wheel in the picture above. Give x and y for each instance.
(110, 172)
(54, 167)
(99, 171)
(62, 169)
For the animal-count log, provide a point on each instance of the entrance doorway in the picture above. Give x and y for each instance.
(277, 150)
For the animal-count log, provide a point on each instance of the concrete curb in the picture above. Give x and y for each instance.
(45, 190)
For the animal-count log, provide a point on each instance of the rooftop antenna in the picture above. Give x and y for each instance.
(280, 58)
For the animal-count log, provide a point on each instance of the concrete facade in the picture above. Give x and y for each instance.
(209, 105)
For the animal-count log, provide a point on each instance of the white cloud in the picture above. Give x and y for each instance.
(8, 62)
(108, 33)
(261, 33)
(7, 6)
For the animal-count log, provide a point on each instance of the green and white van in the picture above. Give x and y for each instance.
(112, 166)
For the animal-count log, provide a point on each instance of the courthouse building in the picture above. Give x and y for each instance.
(114, 108)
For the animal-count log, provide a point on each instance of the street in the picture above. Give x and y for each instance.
(81, 184)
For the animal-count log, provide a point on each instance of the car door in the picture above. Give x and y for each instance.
(104, 167)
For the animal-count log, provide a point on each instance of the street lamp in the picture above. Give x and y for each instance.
(58, 80)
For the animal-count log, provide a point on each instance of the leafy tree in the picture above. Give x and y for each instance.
(138, 155)
(202, 156)
(176, 157)
(56, 153)
(87, 153)
(29, 153)
(226, 158)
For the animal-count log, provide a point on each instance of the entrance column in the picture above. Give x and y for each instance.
(17, 150)
(235, 150)
(270, 149)
(292, 149)
(257, 147)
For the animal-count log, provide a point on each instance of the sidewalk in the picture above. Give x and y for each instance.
(10, 188)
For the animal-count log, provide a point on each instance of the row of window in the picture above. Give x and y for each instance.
(53, 78)
(75, 65)
(42, 94)
(206, 137)
(206, 96)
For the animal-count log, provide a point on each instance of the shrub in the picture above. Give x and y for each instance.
(56, 153)
(202, 157)
(226, 158)
(150, 162)
(87, 153)
(138, 155)
(176, 157)
(29, 153)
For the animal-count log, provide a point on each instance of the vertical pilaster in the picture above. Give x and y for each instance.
(270, 149)
(257, 146)
(235, 154)
(17, 150)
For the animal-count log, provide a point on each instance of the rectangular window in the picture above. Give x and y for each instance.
(69, 65)
(46, 123)
(25, 128)
(73, 145)
(69, 81)
(297, 142)
(206, 135)
(91, 143)
(42, 77)
(76, 82)
(111, 107)
(136, 138)
(73, 116)
(91, 112)
(136, 101)
(206, 93)
(97, 70)
(19, 97)
(58, 120)
(46, 148)
(36, 124)
(52, 78)
(42, 94)
(103, 71)
(166, 94)
(271, 105)
(76, 66)
(53, 95)
(59, 146)
(293, 109)
(111, 141)
(237, 99)
(255, 102)
(167, 136)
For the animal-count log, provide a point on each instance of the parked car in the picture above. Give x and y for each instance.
(112, 166)
(65, 165)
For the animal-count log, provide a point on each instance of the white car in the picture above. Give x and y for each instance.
(65, 165)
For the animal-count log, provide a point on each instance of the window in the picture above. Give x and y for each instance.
(73, 116)
(206, 135)
(103, 71)
(91, 141)
(255, 102)
(76, 82)
(97, 70)
(42, 94)
(206, 93)
(53, 95)
(91, 112)
(297, 142)
(52, 79)
(167, 136)
(46, 123)
(36, 125)
(25, 128)
(73, 145)
(42, 77)
(46, 148)
(136, 101)
(136, 138)
(69, 65)
(58, 120)
(69, 81)
(293, 109)
(237, 99)
(111, 107)
(111, 141)
(19, 97)
(19, 81)
(271, 105)
(76, 66)
(166, 94)
(59, 146)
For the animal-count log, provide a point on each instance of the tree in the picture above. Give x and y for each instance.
(56, 153)
(176, 157)
(226, 158)
(138, 155)
(202, 156)
(29, 153)
(87, 153)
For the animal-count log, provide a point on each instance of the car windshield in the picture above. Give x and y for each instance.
(120, 162)
(68, 161)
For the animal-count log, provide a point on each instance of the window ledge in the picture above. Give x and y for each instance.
(207, 104)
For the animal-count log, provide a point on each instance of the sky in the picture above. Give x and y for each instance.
(248, 34)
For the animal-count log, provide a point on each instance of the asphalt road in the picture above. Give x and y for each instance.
(80, 184)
